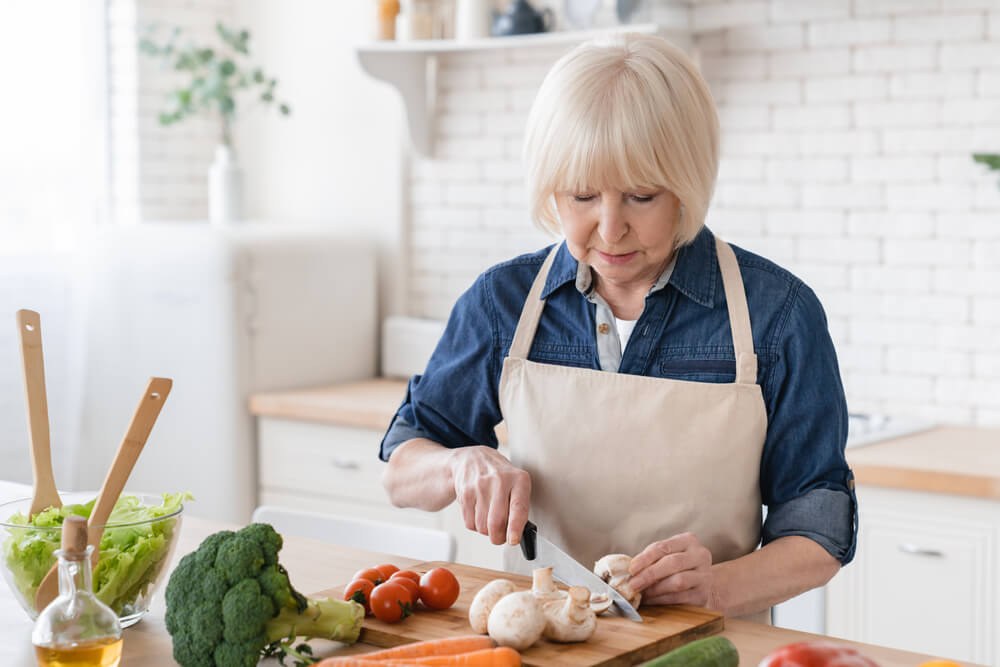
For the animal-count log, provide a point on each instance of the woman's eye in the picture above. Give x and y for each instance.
(642, 199)
(583, 198)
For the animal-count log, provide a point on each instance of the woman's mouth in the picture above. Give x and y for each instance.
(616, 259)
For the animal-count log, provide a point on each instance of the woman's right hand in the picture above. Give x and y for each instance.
(494, 494)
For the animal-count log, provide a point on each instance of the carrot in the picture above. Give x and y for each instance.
(358, 661)
(445, 646)
(491, 657)
(503, 656)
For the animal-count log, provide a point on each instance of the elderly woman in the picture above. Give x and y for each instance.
(657, 384)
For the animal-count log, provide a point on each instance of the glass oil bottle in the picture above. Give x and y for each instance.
(76, 629)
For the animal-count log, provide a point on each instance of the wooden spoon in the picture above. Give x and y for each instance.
(29, 328)
(129, 450)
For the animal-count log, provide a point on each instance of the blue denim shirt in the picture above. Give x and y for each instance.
(683, 333)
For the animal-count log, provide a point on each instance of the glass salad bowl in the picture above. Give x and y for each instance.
(135, 548)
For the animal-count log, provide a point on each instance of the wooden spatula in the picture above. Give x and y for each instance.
(29, 328)
(135, 439)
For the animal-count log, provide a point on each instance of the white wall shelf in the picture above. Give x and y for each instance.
(411, 67)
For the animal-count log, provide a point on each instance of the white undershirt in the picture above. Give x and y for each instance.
(625, 328)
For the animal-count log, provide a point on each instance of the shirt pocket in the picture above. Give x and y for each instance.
(578, 356)
(699, 370)
(705, 364)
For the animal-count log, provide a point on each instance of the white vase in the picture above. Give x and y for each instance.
(472, 19)
(225, 188)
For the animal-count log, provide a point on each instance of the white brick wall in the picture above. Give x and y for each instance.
(158, 173)
(847, 129)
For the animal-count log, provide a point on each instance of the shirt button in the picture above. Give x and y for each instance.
(603, 327)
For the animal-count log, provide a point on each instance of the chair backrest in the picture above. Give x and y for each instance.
(389, 538)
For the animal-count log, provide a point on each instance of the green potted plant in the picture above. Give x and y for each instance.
(217, 77)
(991, 160)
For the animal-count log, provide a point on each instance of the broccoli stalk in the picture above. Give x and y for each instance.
(229, 601)
(327, 618)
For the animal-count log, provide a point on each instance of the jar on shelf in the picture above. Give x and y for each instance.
(415, 20)
(386, 12)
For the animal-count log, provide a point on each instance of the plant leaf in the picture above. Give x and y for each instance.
(991, 160)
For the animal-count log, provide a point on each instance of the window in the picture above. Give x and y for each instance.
(53, 146)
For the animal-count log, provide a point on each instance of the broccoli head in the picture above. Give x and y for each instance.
(229, 601)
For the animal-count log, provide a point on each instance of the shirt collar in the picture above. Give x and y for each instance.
(694, 272)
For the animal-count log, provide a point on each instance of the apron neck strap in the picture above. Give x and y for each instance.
(739, 313)
(736, 302)
(532, 311)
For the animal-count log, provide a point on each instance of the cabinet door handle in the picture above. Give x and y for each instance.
(345, 464)
(908, 548)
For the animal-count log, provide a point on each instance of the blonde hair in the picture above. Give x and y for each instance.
(624, 112)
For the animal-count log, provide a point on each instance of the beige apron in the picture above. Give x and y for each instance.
(619, 461)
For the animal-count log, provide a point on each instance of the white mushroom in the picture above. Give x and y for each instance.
(613, 569)
(600, 602)
(517, 620)
(485, 600)
(543, 586)
(572, 620)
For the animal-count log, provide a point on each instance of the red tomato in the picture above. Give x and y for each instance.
(360, 591)
(411, 586)
(409, 574)
(391, 602)
(371, 574)
(438, 588)
(817, 654)
(387, 570)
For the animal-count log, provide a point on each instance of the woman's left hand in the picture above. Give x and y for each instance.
(677, 570)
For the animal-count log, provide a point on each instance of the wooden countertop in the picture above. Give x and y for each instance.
(315, 566)
(368, 404)
(961, 460)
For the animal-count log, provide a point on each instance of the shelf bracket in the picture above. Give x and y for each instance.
(415, 77)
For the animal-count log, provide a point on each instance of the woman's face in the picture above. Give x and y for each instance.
(627, 237)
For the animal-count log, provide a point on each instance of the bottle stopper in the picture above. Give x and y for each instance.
(74, 536)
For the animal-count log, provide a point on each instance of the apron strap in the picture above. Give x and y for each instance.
(739, 314)
(532, 311)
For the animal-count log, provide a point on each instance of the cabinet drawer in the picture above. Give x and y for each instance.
(307, 458)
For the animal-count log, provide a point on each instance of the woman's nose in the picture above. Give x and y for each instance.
(612, 225)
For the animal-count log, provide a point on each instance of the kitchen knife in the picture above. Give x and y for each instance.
(541, 553)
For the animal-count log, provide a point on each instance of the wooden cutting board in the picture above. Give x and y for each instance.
(616, 641)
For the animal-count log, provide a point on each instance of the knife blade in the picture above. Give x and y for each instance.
(541, 553)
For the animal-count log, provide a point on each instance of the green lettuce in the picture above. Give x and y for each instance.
(131, 558)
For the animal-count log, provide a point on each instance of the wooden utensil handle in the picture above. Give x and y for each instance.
(29, 326)
(128, 452)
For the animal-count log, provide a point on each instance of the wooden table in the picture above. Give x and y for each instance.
(315, 566)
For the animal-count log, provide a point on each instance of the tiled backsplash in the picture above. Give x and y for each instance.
(847, 134)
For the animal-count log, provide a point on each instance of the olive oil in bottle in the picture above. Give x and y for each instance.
(76, 629)
(103, 653)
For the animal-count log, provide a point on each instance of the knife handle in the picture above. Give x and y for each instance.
(528, 540)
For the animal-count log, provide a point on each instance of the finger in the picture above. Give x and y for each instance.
(520, 504)
(662, 569)
(676, 583)
(496, 520)
(468, 505)
(482, 511)
(658, 550)
(692, 596)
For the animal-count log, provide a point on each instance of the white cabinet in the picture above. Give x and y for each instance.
(924, 577)
(330, 468)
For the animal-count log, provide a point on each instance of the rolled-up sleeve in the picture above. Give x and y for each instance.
(454, 402)
(805, 480)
